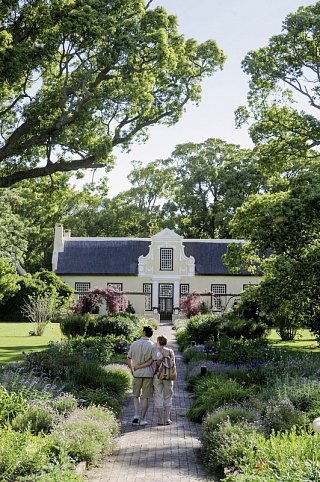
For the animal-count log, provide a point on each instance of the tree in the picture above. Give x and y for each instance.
(8, 280)
(284, 76)
(211, 179)
(13, 229)
(80, 78)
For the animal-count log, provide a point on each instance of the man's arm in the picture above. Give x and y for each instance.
(145, 364)
(129, 362)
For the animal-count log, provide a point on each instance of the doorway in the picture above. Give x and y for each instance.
(165, 301)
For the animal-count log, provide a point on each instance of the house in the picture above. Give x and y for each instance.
(153, 272)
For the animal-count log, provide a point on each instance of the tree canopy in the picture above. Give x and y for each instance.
(79, 77)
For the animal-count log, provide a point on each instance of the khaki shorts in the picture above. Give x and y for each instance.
(142, 386)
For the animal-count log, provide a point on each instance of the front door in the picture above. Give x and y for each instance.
(165, 301)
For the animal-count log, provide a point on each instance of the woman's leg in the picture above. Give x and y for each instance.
(167, 400)
(158, 399)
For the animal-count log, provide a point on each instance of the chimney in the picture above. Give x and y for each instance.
(58, 246)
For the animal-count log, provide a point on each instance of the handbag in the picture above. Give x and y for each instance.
(167, 369)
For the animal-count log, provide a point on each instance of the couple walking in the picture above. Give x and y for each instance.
(146, 361)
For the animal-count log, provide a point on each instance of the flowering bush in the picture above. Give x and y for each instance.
(113, 299)
(190, 304)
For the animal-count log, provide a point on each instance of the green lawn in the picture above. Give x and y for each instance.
(304, 341)
(15, 339)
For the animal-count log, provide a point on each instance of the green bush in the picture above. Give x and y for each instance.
(35, 419)
(202, 328)
(88, 435)
(249, 329)
(119, 324)
(226, 446)
(65, 404)
(183, 339)
(286, 457)
(100, 396)
(282, 415)
(21, 454)
(213, 391)
(77, 325)
(11, 404)
(232, 413)
(229, 350)
(303, 394)
(192, 354)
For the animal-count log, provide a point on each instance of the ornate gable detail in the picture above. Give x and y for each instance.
(183, 265)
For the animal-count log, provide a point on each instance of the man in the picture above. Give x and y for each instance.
(139, 352)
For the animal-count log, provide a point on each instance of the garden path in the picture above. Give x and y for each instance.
(157, 453)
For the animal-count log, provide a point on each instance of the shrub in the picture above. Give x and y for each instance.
(11, 404)
(233, 351)
(118, 324)
(35, 419)
(100, 396)
(249, 329)
(226, 446)
(88, 434)
(213, 391)
(192, 354)
(303, 394)
(287, 456)
(190, 304)
(65, 404)
(183, 339)
(77, 325)
(282, 415)
(202, 328)
(233, 413)
(21, 454)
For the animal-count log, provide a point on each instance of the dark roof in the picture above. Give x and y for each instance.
(111, 256)
(208, 256)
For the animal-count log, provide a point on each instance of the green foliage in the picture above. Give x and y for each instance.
(213, 391)
(40, 285)
(35, 419)
(11, 404)
(119, 324)
(287, 456)
(8, 280)
(183, 339)
(281, 415)
(87, 435)
(233, 351)
(106, 57)
(124, 325)
(192, 354)
(202, 328)
(232, 413)
(64, 404)
(226, 444)
(77, 325)
(21, 454)
(101, 396)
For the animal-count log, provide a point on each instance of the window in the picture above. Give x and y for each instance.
(147, 289)
(165, 290)
(216, 303)
(184, 289)
(81, 289)
(166, 259)
(116, 286)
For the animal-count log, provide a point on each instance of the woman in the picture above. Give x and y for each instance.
(163, 389)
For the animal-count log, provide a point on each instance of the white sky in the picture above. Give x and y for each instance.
(238, 26)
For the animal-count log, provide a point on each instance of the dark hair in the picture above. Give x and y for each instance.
(162, 340)
(148, 331)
